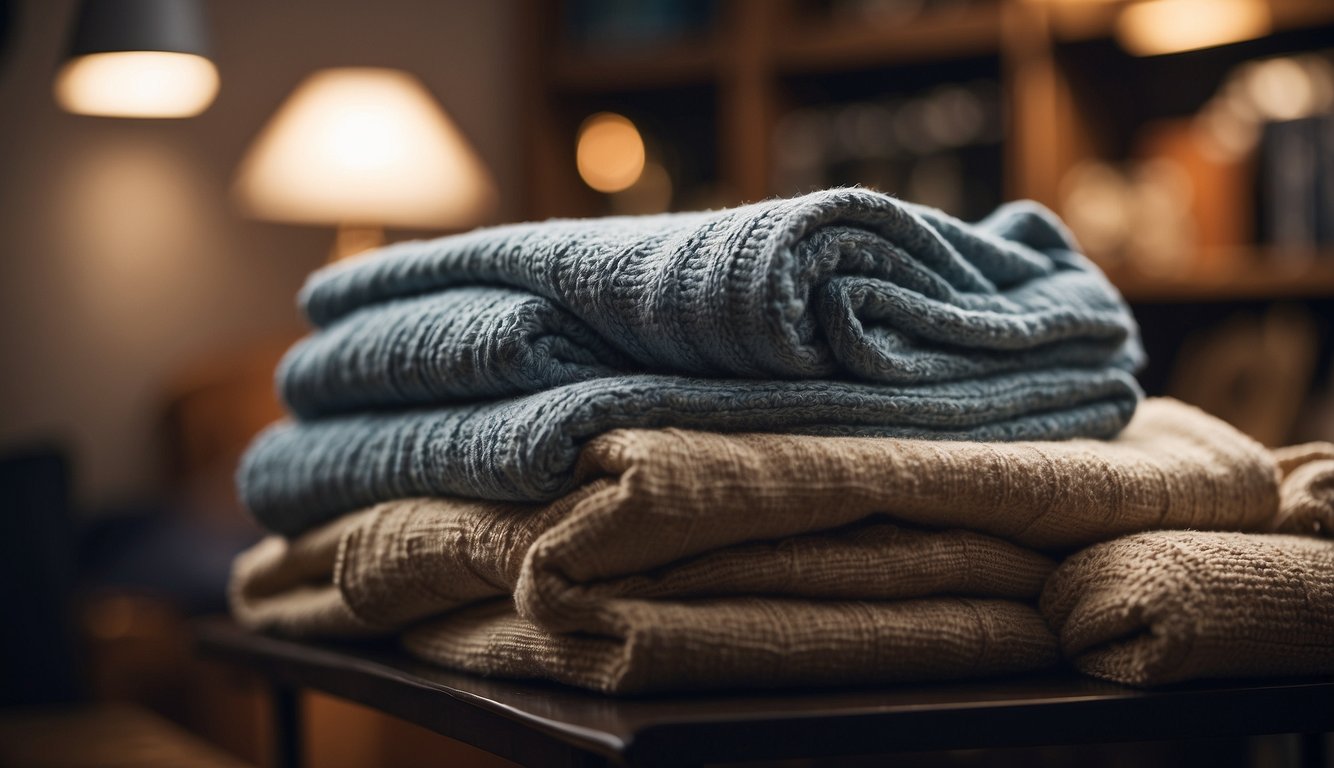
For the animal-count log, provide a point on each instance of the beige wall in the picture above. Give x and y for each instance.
(123, 261)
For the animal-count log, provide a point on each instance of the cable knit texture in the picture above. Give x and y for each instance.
(692, 559)
(863, 315)
(452, 346)
(296, 475)
(840, 282)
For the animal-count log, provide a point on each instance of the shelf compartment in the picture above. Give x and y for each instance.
(674, 65)
(812, 48)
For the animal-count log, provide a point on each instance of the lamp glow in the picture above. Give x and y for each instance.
(609, 153)
(1156, 27)
(137, 84)
(364, 146)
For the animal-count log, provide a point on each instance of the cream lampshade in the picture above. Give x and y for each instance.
(364, 149)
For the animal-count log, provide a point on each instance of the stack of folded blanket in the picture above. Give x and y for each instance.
(816, 441)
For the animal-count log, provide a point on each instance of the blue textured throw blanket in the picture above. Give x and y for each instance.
(900, 320)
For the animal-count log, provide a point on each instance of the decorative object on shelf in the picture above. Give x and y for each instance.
(138, 58)
(609, 152)
(363, 149)
(1156, 27)
(1256, 163)
(1279, 114)
(1137, 214)
(613, 158)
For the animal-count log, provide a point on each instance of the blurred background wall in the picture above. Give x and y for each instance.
(124, 263)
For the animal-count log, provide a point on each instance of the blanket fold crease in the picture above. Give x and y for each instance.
(683, 559)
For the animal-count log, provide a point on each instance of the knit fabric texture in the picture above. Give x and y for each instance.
(299, 474)
(455, 345)
(693, 559)
(862, 602)
(1156, 608)
(1163, 607)
(473, 343)
(831, 284)
(1308, 489)
(748, 643)
(863, 315)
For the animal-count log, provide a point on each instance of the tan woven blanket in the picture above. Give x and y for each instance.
(689, 560)
(824, 607)
(694, 560)
(1168, 606)
(1161, 607)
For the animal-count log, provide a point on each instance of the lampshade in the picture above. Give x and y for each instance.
(364, 146)
(138, 58)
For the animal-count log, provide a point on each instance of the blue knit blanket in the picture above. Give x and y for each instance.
(853, 312)
(526, 449)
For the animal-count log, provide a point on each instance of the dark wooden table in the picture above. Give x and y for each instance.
(549, 725)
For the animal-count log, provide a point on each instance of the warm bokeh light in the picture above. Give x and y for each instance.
(365, 146)
(651, 192)
(137, 84)
(1157, 27)
(1281, 89)
(610, 152)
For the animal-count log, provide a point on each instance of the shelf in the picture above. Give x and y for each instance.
(840, 46)
(679, 64)
(1254, 275)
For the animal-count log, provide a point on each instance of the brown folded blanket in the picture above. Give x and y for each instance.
(749, 642)
(1162, 607)
(823, 607)
(1307, 494)
(689, 559)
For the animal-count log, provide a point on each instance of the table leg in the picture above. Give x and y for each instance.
(286, 702)
(1314, 750)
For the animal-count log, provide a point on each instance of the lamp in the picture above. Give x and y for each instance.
(1156, 27)
(364, 148)
(138, 58)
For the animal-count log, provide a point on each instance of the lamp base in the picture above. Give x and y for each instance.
(353, 239)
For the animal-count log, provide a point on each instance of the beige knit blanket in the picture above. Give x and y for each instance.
(691, 560)
(1167, 606)
(761, 613)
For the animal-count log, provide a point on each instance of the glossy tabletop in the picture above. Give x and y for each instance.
(547, 724)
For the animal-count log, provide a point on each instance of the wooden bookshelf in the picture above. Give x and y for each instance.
(1259, 274)
(743, 64)
(683, 64)
(849, 46)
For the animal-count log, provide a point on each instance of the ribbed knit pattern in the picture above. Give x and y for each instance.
(1158, 608)
(692, 559)
(749, 643)
(833, 283)
(902, 322)
(296, 475)
(455, 345)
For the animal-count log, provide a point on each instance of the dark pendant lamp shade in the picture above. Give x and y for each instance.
(138, 58)
(106, 26)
